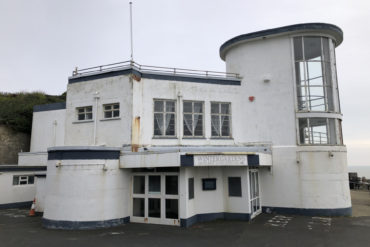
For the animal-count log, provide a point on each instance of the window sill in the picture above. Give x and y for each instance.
(83, 121)
(164, 137)
(109, 119)
(221, 138)
(193, 138)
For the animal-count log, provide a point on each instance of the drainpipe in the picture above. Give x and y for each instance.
(179, 117)
(96, 97)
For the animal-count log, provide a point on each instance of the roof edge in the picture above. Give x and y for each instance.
(330, 29)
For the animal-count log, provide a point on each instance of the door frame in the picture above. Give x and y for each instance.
(253, 198)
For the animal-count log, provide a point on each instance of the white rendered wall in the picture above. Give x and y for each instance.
(40, 183)
(32, 159)
(80, 190)
(47, 130)
(10, 193)
(112, 133)
(214, 201)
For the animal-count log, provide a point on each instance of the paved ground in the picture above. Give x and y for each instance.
(16, 229)
(360, 203)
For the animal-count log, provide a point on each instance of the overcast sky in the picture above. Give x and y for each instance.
(43, 40)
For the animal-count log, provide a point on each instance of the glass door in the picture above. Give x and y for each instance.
(255, 200)
(155, 198)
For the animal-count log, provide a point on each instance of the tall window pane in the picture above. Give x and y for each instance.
(220, 119)
(193, 118)
(164, 118)
(318, 131)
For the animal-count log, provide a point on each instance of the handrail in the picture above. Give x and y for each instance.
(149, 68)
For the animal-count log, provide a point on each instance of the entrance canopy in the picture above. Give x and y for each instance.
(252, 156)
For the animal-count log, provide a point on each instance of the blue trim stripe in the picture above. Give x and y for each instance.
(169, 77)
(50, 107)
(213, 216)
(186, 160)
(309, 211)
(253, 160)
(83, 225)
(83, 154)
(21, 168)
(16, 205)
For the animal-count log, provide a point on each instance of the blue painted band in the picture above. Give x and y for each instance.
(213, 216)
(309, 211)
(102, 75)
(16, 205)
(335, 31)
(83, 154)
(186, 160)
(22, 168)
(253, 160)
(50, 107)
(83, 225)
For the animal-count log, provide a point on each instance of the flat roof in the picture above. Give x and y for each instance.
(329, 29)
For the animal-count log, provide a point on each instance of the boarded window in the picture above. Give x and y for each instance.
(191, 188)
(235, 186)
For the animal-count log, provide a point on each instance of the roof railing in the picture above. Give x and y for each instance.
(155, 69)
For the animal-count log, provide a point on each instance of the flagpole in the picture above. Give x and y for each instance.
(132, 48)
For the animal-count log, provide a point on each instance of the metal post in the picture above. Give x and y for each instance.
(132, 48)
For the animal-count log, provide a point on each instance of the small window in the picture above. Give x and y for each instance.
(111, 110)
(191, 188)
(221, 119)
(209, 183)
(235, 186)
(84, 113)
(23, 180)
(193, 118)
(164, 118)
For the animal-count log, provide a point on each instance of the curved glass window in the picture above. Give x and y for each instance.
(320, 131)
(313, 74)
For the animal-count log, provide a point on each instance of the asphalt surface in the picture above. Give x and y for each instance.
(17, 229)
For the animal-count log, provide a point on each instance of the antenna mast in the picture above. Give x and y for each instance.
(132, 48)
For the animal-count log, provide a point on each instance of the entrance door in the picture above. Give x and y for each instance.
(255, 200)
(155, 198)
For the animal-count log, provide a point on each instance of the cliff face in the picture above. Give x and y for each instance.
(11, 143)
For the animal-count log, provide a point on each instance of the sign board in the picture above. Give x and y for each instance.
(220, 160)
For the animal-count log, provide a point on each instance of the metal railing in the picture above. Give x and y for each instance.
(153, 69)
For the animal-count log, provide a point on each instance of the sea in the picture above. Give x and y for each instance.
(362, 171)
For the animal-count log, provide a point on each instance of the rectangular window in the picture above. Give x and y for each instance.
(318, 131)
(111, 110)
(164, 118)
(235, 186)
(220, 119)
(193, 118)
(23, 179)
(191, 188)
(209, 183)
(84, 113)
(313, 74)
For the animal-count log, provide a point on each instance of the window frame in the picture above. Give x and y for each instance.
(164, 112)
(193, 136)
(112, 110)
(338, 139)
(85, 113)
(23, 178)
(326, 66)
(220, 114)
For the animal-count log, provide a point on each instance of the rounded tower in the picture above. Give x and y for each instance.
(292, 102)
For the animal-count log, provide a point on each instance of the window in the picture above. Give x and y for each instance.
(313, 74)
(220, 119)
(164, 118)
(318, 131)
(193, 118)
(191, 188)
(209, 183)
(111, 110)
(23, 180)
(235, 186)
(84, 113)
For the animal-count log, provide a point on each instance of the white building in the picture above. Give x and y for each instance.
(170, 146)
